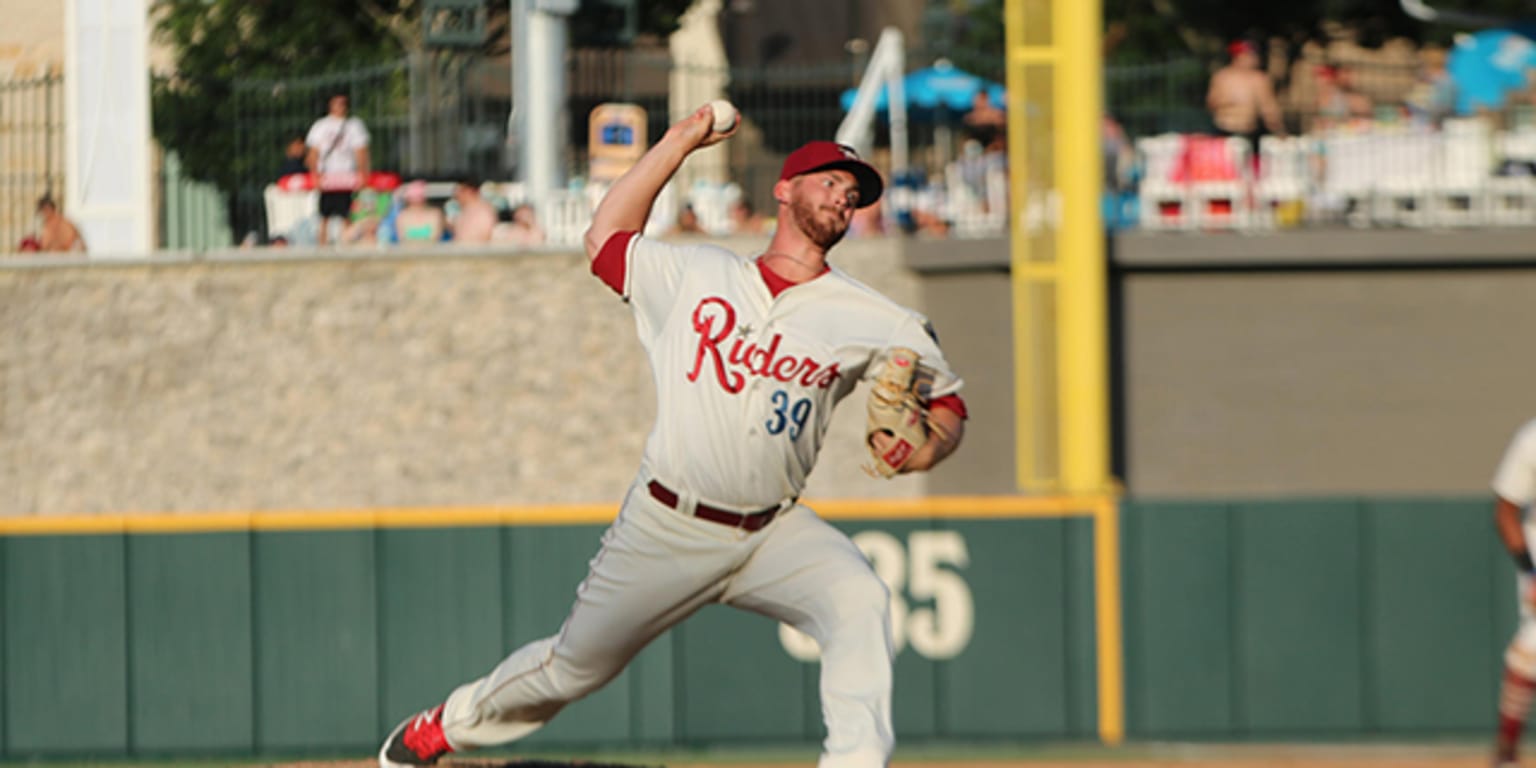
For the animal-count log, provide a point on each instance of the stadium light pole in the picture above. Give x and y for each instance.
(538, 92)
(107, 125)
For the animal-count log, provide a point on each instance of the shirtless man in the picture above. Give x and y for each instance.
(56, 233)
(520, 228)
(1241, 95)
(476, 217)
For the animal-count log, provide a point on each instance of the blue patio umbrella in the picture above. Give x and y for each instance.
(1488, 65)
(942, 84)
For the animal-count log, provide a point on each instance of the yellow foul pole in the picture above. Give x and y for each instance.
(1057, 260)
(1055, 91)
(1084, 373)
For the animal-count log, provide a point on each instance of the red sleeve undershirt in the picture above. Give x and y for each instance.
(951, 402)
(609, 265)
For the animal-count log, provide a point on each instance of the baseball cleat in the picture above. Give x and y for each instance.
(418, 740)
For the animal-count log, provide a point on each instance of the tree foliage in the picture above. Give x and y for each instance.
(969, 33)
(220, 42)
(622, 22)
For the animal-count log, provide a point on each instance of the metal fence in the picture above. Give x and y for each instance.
(31, 152)
(950, 188)
(1148, 99)
(432, 117)
(443, 113)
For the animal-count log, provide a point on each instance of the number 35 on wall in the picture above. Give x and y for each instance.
(916, 571)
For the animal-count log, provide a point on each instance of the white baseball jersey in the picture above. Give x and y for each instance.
(746, 380)
(1515, 480)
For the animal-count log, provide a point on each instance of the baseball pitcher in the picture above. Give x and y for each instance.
(749, 355)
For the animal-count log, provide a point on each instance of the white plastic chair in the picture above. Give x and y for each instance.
(1460, 194)
(1511, 199)
(1219, 177)
(1285, 177)
(711, 202)
(1165, 201)
(565, 217)
(977, 214)
(1348, 175)
(1403, 168)
(286, 210)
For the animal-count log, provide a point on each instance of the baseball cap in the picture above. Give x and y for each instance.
(822, 155)
(1238, 47)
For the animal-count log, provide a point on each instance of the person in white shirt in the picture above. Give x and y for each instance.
(338, 157)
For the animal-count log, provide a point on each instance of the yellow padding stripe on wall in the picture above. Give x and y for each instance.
(942, 507)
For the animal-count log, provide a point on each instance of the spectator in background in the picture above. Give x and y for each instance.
(1338, 103)
(1241, 97)
(688, 222)
(338, 156)
(1119, 155)
(294, 158)
(369, 208)
(986, 124)
(985, 153)
(868, 221)
(520, 228)
(476, 218)
(1433, 95)
(419, 222)
(56, 234)
(745, 220)
(928, 222)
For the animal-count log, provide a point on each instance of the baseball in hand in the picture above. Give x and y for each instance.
(725, 115)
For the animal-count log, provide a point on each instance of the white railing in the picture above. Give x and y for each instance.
(1465, 174)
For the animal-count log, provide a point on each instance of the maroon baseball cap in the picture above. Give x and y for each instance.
(822, 155)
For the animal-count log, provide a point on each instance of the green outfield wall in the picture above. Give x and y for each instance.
(285, 642)
(1313, 618)
(1335, 618)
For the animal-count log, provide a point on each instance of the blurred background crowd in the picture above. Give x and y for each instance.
(1218, 116)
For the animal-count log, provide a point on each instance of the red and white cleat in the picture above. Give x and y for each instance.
(419, 740)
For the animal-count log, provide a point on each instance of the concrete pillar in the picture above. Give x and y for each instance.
(538, 92)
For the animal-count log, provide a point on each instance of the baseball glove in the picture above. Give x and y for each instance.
(895, 407)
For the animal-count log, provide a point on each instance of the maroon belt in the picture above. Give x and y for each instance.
(749, 521)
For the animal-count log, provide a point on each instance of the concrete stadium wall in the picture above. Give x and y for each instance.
(1321, 363)
(439, 378)
(1352, 362)
(1326, 362)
